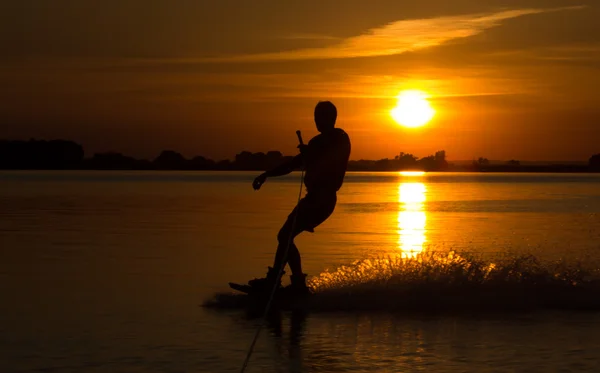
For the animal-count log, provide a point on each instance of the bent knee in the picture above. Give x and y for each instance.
(286, 234)
(283, 236)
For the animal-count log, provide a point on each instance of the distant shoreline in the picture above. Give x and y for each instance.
(68, 155)
(491, 170)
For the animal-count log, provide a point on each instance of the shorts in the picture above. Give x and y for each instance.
(312, 211)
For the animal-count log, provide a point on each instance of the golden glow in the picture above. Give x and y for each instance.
(413, 109)
(412, 173)
(411, 219)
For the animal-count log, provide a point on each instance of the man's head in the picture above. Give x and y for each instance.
(325, 116)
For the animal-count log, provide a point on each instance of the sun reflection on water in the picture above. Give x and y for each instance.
(411, 218)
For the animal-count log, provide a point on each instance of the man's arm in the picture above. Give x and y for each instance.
(286, 167)
(281, 170)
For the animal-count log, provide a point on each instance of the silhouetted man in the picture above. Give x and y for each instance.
(325, 159)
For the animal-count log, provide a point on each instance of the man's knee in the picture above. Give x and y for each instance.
(284, 235)
(288, 232)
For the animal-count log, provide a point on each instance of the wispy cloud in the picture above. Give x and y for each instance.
(308, 37)
(394, 38)
(569, 52)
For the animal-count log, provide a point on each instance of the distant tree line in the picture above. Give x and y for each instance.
(595, 162)
(484, 165)
(402, 162)
(66, 155)
(55, 154)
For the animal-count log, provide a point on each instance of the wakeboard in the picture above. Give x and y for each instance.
(255, 300)
(247, 289)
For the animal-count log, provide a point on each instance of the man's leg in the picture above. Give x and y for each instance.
(294, 260)
(285, 237)
(310, 213)
(293, 228)
(307, 215)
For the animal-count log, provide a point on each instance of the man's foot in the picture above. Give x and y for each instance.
(298, 286)
(266, 283)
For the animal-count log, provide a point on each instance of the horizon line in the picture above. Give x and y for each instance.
(216, 160)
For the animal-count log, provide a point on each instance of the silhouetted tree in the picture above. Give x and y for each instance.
(594, 162)
(406, 157)
(273, 159)
(40, 154)
(383, 165)
(428, 163)
(513, 162)
(201, 163)
(224, 165)
(274, 154)
(170, 160)
(244, 160)
(483, 161)
(480, 164)
(111, 161)
(440, 160)
(258, 161)
(405, 161)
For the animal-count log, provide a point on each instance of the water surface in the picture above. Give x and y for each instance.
(105, 271)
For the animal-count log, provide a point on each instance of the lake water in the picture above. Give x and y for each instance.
(107, 271)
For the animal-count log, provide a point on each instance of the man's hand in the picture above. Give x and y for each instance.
(303, 149)
(259, 181)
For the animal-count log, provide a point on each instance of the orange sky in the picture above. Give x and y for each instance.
(508, 79)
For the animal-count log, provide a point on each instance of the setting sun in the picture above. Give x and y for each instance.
(413, 109)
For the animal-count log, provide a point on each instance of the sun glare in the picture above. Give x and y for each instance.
(412, 219)
(413, 109)
(412, 173)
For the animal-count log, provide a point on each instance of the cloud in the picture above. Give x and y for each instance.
(392, 39)
(578, 53)
(308, 37)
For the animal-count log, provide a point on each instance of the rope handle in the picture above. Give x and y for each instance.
(299, 134)
(268, 306)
